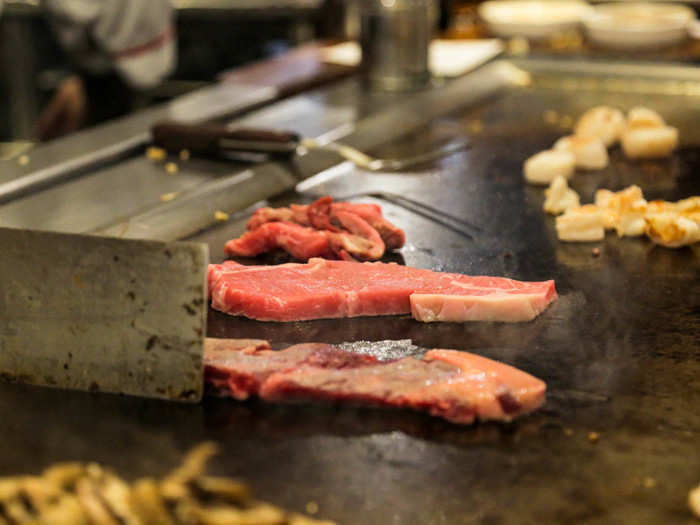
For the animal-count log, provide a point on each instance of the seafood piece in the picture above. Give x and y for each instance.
(672, 230)
(654, 207)
(581, 224)
(603, 122)
(623, 210)
(590, 152)
(641, 117)
(545, 166)
(689, 208)
(559, 197)
(694, 500)
(650, 143)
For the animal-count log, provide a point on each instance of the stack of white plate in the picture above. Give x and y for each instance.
(627, 25)
(638, 25)
(533, 19)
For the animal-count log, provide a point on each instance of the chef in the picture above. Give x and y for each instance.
(118, 48)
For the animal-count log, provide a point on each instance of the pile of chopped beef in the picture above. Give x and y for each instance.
(332, 230)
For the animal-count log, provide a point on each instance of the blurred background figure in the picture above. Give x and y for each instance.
(115, 48)
(70, 64)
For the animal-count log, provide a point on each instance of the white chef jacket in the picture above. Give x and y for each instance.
(136, 38)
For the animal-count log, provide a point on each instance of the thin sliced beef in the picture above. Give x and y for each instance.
(454, 385)
(349, 237)
(352, 231)
(328, 289)
(300, 242)
(393, 236)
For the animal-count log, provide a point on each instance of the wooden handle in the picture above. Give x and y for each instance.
(214, 139)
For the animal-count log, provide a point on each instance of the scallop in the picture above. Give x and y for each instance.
(650, 143)
(545, 166)
(641, 117)
(690, 208)
(603, 122)
(590, 152)
(581, 224)
(623, 210)
(672, 230)
(694, 500)
(559, 197)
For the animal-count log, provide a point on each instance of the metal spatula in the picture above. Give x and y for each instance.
(218, 140)
(103, 314)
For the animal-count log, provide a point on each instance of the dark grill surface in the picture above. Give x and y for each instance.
(619, 350)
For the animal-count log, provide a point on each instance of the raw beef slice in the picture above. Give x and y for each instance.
(333, 230)
(454, 385)
(329, 289)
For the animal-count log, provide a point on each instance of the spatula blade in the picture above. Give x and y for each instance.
(103, 314)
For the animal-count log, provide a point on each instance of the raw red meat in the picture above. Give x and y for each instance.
(298, 241)
(350, 230)
(358, 239)
(326, 289)
(454, 385)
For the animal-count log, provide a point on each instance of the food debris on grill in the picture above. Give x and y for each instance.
(649, 482)
(89, 494)
(166, 197)
(694, 500)
(154, 153)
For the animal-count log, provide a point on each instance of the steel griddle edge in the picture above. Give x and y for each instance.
(619, 350)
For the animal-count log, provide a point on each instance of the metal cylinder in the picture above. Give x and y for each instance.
(395, 36)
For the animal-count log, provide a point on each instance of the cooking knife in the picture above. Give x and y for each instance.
(103, 314)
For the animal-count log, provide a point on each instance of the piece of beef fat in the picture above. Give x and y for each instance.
(331, 289)
(457, 386)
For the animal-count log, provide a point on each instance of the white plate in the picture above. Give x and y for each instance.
(447, 58)
(535, 19)
(638, 25)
